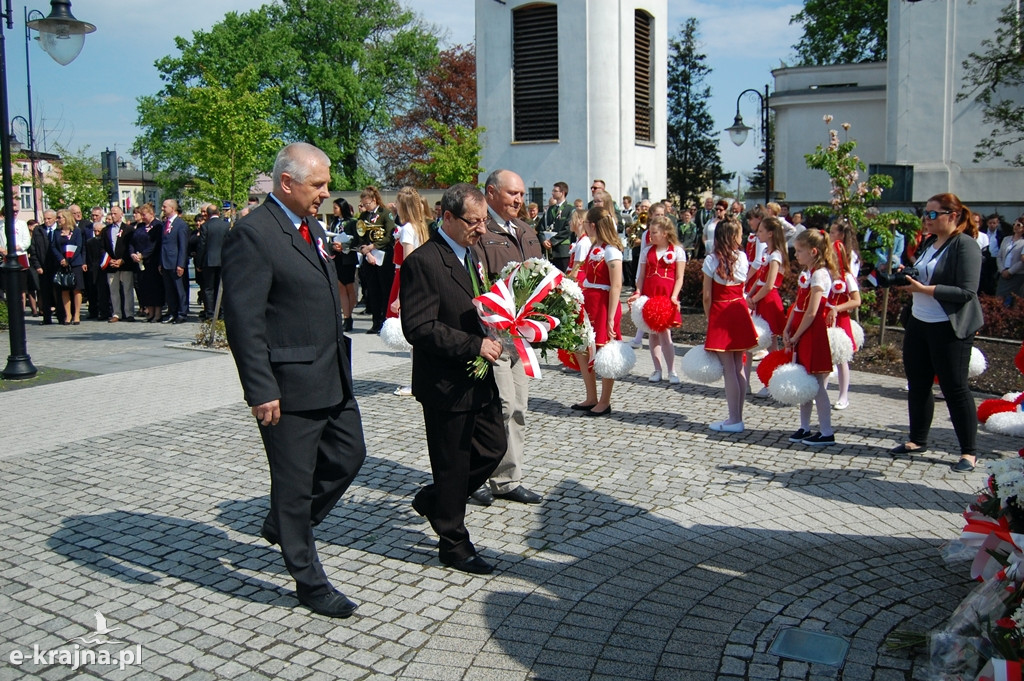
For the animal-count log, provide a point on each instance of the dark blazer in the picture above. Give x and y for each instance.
(211, 242)
(955, 279)
(41, 255)
(556, 219)
(76, 238)
(496, 248)
(121, 249)
(283, 315)
(442, 325)
(174, 245)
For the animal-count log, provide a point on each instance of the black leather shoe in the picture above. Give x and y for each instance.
(331, 604)
(168, 320)
(904, 449)
(347, 325)
(522, 495)
(474, 565)
(179, 320)
(483, 496)
(962, 466)
(373, 329)
(419, 505)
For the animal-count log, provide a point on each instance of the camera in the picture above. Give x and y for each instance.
(897, 278)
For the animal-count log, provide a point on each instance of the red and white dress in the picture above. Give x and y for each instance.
(578, 253)
(840, 294)
(770, 308)
(730, 327)
(660, 275)
(757, 257)
(596, 291)
(406, 234)
(812, 349)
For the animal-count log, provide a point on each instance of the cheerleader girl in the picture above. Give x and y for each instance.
(844, 233)
(410, 236)
(602, 285)
(806, 332)
(661, 274)
(579, 250)
(844, 296)
(730, 331)
(763, 298)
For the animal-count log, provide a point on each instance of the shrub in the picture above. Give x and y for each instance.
(3, 314)
(1002, 321)
(212, 334)
(692, 293)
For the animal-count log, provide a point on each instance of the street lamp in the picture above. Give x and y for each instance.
(62, 36)
(738, 134)
(16, 147)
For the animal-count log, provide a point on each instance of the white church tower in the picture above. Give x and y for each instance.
(574, 90)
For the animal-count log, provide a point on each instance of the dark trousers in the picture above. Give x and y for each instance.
(101, 306)
(45, 297)
(314, 456)
(561, 263)
(465, 447)
(176, 293)
(930, 350)
(378, 288)
(97, 301)
(211, 282)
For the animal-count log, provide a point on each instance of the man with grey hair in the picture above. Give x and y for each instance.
(284, 324)
(174, 262)
(508, 238)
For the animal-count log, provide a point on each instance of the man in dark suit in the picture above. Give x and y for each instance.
(208, 255)
(45, 263)
(120, 274)
(284, 325)
(461, 414)
(508, 239)
(173, 261)
(556, 219)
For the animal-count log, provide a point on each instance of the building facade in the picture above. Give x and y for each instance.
(572, 91)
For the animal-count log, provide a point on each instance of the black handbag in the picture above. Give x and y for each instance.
(65, 279)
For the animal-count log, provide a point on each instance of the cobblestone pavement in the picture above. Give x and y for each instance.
(661, 551)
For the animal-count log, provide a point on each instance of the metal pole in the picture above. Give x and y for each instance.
(31, 134)
(767, 146)
(19, 364)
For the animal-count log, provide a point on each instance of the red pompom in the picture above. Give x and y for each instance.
(660, 313)
(989, 407)
(568, 359)
(1018, 361)
(772, 361)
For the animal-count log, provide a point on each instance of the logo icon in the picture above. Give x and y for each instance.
(98, 637)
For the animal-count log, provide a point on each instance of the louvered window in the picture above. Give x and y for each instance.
(535, 73)
(644, 76)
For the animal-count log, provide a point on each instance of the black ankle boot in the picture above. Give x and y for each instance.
(348, 324)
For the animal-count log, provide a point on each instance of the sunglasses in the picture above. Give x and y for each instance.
(934, 214)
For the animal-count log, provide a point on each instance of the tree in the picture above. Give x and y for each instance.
(210, 141)
(994, 78)
(447, 96)
(79, 181)
(336, 69)
(694, 164)
(453, 155)
(842, 31)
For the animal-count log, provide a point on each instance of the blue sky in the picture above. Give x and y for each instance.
(91, 102)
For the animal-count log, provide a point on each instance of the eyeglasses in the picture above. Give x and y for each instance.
(934, 214)
(595, 188)
(472, 223)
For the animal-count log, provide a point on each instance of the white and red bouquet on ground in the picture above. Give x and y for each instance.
(532, 306)
(984, 638)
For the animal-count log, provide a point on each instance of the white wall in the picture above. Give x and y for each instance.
(595, 98)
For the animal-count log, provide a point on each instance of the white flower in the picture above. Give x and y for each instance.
(572, 289)
(827, 118)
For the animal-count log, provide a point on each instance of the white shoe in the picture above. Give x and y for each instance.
(673, 378)
(655, 377)
(763, 392)
(732, 427)
(404, 391)
(716, 426)
(841, 405)
(759, 355)
(636, 344)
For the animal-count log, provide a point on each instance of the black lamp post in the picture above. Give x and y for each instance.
(738, 134)
(62, 37)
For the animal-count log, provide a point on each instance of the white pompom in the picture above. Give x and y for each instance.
(393, 336)
(978, 364)
(614, 360)
(842, 346)
(701, 366)
(1010, 397)
(764, 332)
(858, 333)
(791, 384)
(636, 313)
(1006, 423)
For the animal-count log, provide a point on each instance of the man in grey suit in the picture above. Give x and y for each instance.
(461, 414)
(284, 325)
(208, 255)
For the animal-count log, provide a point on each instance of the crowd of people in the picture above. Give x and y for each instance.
(104, 264)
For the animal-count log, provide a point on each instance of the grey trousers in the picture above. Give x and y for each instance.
(514, 392)
(117, 280)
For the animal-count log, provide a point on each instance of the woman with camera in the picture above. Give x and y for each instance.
(944, 316)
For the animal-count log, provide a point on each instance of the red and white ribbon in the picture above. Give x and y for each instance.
(997, 669)
(323, 252)
(497, 309)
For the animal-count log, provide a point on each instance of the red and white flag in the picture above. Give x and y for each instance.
(69, 251)
(105, 261)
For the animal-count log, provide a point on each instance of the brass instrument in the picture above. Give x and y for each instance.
(376, 235)
(635, 230)
(361, 228)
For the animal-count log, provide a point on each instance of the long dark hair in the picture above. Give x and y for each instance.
(963, 213)
(345, 207)
(727, 243)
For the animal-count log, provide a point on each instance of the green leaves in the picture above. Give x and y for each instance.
(79, 182)
(453, 159)
(842, 31)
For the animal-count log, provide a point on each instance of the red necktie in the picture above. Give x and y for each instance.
(304, 231)
(168, 230)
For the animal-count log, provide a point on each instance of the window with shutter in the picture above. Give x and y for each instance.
(535, 73)
(644, 77)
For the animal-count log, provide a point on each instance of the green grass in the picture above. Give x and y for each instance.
(43, 376)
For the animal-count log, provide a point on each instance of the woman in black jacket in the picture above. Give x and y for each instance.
(944, 317)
